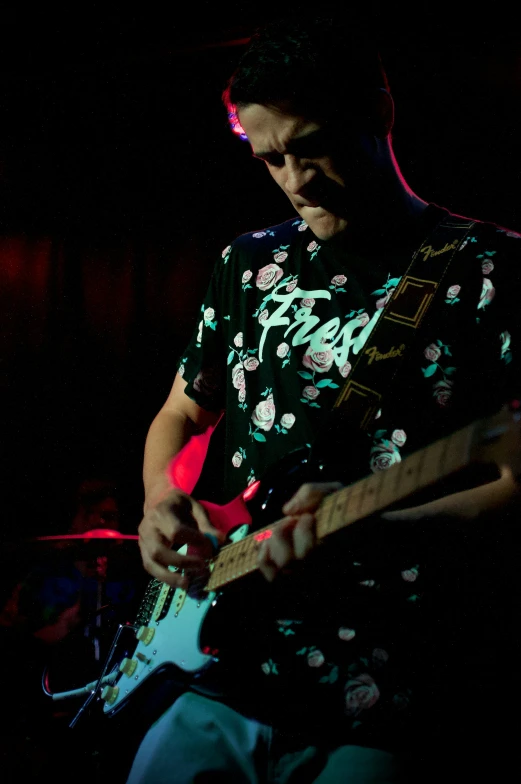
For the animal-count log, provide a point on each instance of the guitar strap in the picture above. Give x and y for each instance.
(361, 396)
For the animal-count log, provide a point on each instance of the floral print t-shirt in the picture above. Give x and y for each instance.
(283, 320)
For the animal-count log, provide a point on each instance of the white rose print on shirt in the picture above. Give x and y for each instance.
(361, 693)
(451, 296)
(263, 416)
(286, 423)
(238, 457)
(226, 253)
(345, 370)
(280, 254)
(315, 658)
(337, 283)
(246, 277)
(506, 354)
(385, 452)
(318, 362)
(247, 362)
(487, 265)
(442, 389)
(208, 320)
(284, 353)
(487, 291)
(268, 276)
(313, 248)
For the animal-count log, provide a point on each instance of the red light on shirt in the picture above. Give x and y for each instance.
(262, 535)
(250, 491)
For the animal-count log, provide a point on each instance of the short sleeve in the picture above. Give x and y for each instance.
(203, 363)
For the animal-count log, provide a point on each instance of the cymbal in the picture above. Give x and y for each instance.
(90, 544)
(94, 534)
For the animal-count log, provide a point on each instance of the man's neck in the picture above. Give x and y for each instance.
(386, 226)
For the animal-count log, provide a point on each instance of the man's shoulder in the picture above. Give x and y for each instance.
(490, 230)
(273, 238)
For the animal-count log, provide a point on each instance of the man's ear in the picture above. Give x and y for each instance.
(383, 113)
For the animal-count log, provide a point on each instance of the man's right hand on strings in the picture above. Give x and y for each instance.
(176, 520)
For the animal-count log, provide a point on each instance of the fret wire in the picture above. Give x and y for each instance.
(379, 480)
(464, 436)
(369, 495)
(386, 488)
(346, 501)
(330, 501)
(419, 467)
(429, 471)
(323, 515)
(341, 500)
(397, 482)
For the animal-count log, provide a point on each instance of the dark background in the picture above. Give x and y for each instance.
(120, 184)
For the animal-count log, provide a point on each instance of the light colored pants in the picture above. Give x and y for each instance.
(199, 741)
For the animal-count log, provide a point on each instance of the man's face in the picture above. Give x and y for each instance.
(306, 161)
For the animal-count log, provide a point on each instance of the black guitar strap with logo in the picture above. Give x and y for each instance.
(361, 396)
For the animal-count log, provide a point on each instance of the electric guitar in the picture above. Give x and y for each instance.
(174, 635)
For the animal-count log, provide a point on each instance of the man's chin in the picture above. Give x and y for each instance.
(323, 224)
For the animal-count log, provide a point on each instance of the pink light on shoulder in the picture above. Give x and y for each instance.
(262, 535)
(251, 491)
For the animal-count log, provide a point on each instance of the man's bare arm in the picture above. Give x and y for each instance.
(179, 420)
(180, 432)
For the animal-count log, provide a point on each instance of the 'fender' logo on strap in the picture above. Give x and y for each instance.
(375, 355)
(428, 250)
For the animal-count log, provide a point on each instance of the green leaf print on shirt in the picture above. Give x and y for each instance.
(442, 389)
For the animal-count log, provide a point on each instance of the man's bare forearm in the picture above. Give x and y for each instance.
(167, 435)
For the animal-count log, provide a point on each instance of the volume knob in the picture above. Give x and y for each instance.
(145, 634)
(110, 694)
(128, 666)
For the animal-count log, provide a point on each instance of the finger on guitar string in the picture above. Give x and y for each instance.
(304, 535)
(177, 569)
(309, 496)
(292, 539)
(174, 523)
(277, 551)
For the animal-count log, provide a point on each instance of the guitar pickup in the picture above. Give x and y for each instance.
(164, 600)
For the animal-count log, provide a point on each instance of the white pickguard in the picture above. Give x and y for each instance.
(176, 637)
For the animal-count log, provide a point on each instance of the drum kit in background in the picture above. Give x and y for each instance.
(68, 596)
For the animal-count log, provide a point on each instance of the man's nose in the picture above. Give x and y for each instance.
(299, 175)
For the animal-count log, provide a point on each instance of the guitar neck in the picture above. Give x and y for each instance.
(361, 499)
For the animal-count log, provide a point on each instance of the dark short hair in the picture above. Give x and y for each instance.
(319, 65)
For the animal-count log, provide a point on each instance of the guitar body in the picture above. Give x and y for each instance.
(185, 639)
